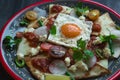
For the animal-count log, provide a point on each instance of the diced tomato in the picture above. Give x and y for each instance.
(32, 38)
(56, 9)
(46, 46)
(96, 27)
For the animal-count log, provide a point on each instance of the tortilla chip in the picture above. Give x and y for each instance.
(106, 23)
(35, 72)
(97, 70)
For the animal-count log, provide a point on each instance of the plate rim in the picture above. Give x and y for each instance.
(2, 60)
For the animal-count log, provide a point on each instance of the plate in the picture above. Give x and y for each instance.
(12, 26)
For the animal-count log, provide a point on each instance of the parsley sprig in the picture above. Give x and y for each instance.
(53, 30)
(10, 42)
(24, 22)
(81, 52)
(108, 39)
(80, 9)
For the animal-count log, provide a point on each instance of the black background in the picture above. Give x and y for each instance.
(9, 7)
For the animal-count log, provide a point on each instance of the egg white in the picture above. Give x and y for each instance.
(59, 38)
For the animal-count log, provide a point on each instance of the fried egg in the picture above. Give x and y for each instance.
(70, 29)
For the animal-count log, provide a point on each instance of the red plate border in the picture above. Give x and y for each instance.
(6, 66)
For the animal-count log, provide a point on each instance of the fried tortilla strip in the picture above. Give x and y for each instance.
(97, 70)
(106, 23)
(35, 72)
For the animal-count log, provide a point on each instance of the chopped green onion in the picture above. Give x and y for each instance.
(10, 42)
(19, 62)
(110, 46)
(98, 52)
(40, 22)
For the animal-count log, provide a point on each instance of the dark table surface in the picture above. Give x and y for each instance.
(10, 7)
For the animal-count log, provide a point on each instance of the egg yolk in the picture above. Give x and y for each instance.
(70, 30)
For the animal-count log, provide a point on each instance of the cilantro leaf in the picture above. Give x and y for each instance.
(88, 54)
(109, 39)
(81, 52)
(78, 55)
(24, 22)
(53, 30)
(81, 44)
(10, 42)
(80, 9)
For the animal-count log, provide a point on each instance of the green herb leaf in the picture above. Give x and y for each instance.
(7, 39)
(24, 22)
(69, 74)
(109, 40)
(80, 9)
(110, 46)
(81, 44)
(40, 22)
(88, 54)
(9, 42)
(17, 41)
(78, 55)
(53, 30)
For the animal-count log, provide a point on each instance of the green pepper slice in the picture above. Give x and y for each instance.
(19, 62)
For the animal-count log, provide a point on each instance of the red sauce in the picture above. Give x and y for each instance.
(41, 64)
(92, 47)
(51, 21)
(32, 38)
(96, 28)
(90, 44)
(56, 9)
